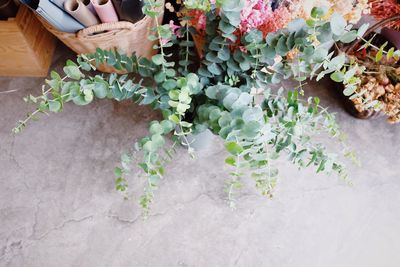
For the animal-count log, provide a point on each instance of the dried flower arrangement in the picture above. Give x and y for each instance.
(383, 9)
(379, 82)
(377, 87)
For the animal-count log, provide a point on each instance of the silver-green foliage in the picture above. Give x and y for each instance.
(229, 94)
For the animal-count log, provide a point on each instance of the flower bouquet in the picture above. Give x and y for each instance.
(229, 91)
(271, 15)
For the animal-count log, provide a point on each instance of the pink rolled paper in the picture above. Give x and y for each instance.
(105, 10)
(89, 5)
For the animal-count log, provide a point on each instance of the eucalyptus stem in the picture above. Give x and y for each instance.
(159, 36)
(187, 47)
(22, 124)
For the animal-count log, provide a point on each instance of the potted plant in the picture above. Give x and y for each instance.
(227, 92)
(373, 65)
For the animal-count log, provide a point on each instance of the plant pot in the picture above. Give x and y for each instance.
(349, 106)
(377, 40)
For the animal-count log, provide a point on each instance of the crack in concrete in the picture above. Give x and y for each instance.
(133, 221)
(205, 194)
(14, 160)
(12, 156)
(235, 263)
(124, 221)
(63, 225)
(4, 248)
(14, 248)
(19, 245)
(35, 219)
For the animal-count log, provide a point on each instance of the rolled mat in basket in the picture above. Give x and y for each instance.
(53, 14)
(59, 3)
(87, 3)
(105, 10)
(80, 12)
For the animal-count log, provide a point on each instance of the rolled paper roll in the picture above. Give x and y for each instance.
(89, 5)
(80, 12)
(105, 10)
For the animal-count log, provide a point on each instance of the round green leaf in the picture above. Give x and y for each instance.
(338, 24)
(54, 106)
(158, 59)
(234, 148)
(156, 128)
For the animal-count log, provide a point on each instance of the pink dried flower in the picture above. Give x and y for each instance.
(243, 49)
(175, 29)
(254, 14)
(258, 14)
(164, 41)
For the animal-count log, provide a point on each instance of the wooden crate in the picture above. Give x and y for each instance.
(26, 47)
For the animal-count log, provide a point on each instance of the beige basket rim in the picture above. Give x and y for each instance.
(111, 26)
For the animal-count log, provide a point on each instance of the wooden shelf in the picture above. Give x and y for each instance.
(26, 47)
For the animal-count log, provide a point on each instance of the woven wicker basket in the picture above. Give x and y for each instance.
(122, 35)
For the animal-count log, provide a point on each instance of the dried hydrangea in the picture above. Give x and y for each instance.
(258, 14)
(379, 87)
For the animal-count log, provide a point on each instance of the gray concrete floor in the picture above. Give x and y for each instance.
(58, 206)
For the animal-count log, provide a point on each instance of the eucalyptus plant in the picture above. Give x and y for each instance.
(229, 92)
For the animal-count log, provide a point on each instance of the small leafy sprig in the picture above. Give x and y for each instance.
(81, 89)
